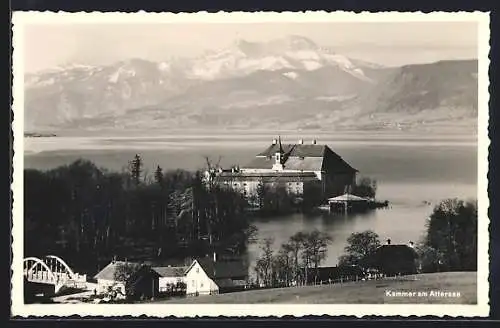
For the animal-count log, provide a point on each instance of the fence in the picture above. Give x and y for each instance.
(341, 280)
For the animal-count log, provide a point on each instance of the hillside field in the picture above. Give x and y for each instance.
(363, 292)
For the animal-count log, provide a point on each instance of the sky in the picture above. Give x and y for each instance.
(392, 44)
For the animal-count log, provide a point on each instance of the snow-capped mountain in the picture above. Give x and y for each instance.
(291, 82)
(292, 53)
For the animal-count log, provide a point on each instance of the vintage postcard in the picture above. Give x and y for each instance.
(250, 164)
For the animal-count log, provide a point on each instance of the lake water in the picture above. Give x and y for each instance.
(409, 170)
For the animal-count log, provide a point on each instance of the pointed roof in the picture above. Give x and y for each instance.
(170, 271)
(346, 198)
(221, 269)
(281, 146)
(109, 270)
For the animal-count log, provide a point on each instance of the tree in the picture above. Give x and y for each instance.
(318, 242)
(314, 246)
(295, 244)
(360, 245)
(366, 187)
(284, 263)
(159, 176)
(261, 194)
(124, 272)
(135, 168)
(264, 264)
(452, 234)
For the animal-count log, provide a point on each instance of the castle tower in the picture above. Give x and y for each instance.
(278, 157)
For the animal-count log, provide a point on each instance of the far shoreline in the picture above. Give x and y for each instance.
(257, 133)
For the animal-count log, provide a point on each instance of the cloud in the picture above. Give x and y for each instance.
(51, 45)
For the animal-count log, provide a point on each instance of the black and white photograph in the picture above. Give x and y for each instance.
(250, 164)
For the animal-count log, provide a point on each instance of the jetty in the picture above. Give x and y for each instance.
(348, 203)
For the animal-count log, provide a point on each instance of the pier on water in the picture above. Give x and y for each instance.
(348, 203)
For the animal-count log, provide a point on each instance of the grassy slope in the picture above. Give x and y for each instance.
(367, 292)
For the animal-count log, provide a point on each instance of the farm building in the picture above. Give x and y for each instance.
(106, 278)
(395, 259)
(207, 276)
(170, 277)
(142, 280)
(301, 168)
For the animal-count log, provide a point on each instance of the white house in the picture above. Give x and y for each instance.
(142, 281)
(170, 276)
(106, 278)
(206, 276)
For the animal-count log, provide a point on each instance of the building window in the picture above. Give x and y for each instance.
(192, 283)
(201, 284)
(197, 270)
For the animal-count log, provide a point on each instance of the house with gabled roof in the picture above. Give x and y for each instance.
(394, 259)
(142, 280)
(207, 276)
(170, 277)
(299, 167)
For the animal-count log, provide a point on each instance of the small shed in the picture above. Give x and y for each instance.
(170, 277)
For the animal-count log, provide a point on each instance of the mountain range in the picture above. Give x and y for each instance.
(289, 83)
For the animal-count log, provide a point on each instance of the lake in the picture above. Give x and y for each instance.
(409, 170)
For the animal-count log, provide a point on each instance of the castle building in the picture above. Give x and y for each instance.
(300, 168)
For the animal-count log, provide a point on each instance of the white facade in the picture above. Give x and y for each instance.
(164, 282)
(198, 282)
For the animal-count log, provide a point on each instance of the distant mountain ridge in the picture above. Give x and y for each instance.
(287, 83)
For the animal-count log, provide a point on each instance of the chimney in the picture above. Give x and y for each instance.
(314, 141)
(388, 241)
(275, 141)
(410, 244)
(301, 141)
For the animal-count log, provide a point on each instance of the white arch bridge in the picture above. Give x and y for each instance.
(52, 270)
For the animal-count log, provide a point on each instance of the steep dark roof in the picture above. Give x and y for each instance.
(170, 271)
(394, 259)
(302, 157)
(295, 150)
(223, 269)
(394, 254)
(396, 251)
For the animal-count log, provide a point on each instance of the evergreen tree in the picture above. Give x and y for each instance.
(159, 176)
(136, 169)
